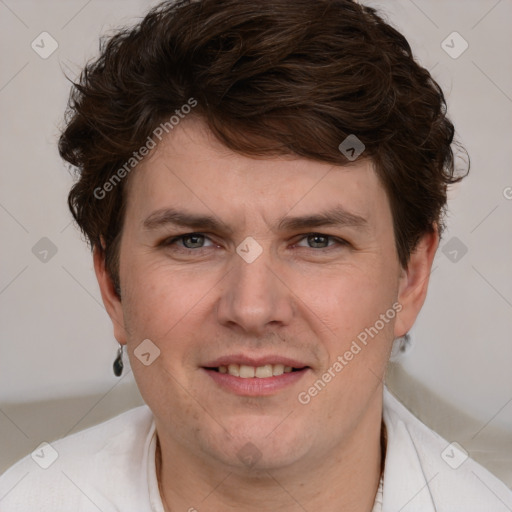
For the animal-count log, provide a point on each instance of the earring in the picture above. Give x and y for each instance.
(118, 362)
(401, 347)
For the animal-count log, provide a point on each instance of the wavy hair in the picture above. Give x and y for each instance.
(270, 77)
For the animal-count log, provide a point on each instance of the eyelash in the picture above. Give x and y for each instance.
(172, 241)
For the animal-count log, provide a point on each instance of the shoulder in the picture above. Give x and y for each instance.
(89, 470)
(423, 467)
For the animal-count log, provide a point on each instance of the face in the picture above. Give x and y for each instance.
(289, 263)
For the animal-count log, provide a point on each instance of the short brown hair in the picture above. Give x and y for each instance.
(270, 77)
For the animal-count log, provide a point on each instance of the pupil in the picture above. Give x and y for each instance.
(196, 239)
(314, 240)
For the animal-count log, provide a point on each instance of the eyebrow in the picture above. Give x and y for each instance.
(336, 216)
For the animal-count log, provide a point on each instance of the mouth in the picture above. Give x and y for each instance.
(244, 371)
(245, 376)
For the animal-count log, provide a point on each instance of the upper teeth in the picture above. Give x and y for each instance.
(261, 372)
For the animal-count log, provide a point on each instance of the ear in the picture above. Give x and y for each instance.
(110, 298)
(413, 282)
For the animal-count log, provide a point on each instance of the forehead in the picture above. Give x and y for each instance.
(191, 169)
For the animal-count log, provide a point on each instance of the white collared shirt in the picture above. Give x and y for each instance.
(111, 468)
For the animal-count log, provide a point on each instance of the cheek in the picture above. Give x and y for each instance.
(160, 299)
(159, 304)
(349, 300)
(356, 331)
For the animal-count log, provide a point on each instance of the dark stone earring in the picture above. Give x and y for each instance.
(118, 363)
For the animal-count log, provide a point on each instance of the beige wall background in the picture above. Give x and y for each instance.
(56, 340)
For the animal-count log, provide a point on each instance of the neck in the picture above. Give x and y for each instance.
(348, 481)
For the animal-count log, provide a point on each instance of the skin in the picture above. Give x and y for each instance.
(297, 299)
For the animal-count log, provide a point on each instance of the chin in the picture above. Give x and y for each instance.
(258, 444)
(248, 458)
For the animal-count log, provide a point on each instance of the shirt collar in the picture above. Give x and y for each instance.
(406, 486)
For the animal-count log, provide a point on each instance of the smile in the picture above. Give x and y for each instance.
(259, 372)
(263, 380)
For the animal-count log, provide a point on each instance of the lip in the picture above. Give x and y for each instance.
(254, 361)
(255, 386)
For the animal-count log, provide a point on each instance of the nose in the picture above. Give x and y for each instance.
(254, 296)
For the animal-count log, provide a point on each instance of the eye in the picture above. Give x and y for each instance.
(188, 241)
(321, 241)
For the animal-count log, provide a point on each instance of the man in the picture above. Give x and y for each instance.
(263, 187)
